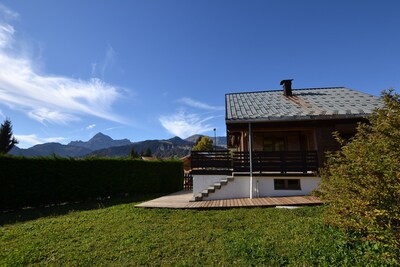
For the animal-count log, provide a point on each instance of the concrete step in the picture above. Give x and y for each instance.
(197, 197)
(211, 189)
(217, 186)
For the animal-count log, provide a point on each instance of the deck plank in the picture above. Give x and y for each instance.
(180, 200)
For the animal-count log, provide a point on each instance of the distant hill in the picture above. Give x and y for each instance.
(100, 141)
(160, 148)
(221, 140)
(49, 149)
(102, 145)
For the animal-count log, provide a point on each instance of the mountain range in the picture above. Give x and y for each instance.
(101, 145)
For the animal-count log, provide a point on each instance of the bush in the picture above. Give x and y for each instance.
(40, 181)
(361, 182)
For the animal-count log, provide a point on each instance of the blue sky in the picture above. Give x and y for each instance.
(156, 69)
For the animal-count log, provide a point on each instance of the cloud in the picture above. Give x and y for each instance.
(2, 114)
(8, 13)
(91, 126)
(108, 61)
(185, 124)
(6, 33)
(93, 72)
(49, 98)
(196, 104)
(33, 139)
(114, 128)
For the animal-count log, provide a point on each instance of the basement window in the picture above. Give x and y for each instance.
(287, 184)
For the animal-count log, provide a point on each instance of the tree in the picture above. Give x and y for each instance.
(148, 153)
(361, 182)
(133, 154)
(7, 140)
(204, 144)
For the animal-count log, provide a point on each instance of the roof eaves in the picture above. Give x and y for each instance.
(298, 118)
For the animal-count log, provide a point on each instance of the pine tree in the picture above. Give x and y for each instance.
(7, 140)
(148, 153)
(133, 154)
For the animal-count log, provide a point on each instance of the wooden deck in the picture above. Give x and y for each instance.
(181, 200)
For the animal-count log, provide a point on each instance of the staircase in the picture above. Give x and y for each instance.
(211, 189)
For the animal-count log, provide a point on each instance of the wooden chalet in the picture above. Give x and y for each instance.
(277, 141)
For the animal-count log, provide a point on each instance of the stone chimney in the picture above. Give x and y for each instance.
(287, 87)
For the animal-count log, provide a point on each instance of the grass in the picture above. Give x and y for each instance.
(115, 233)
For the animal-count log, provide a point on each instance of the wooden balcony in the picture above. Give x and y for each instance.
(280, 162)
(211, 162)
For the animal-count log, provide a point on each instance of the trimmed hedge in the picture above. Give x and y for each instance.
(40, 181)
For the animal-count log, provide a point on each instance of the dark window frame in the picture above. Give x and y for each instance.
(284, 184)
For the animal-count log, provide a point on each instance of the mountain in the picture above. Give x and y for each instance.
(49, 149)
(221, 140)
(100, 141)
(159, 148)
(194, 138)
(102, 145)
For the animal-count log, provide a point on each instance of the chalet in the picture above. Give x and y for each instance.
(277, 141)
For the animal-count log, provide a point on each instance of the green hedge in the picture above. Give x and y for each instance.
(40, 181)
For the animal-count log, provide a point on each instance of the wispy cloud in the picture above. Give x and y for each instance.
(100, 69)
(1, 114)
(91, 126)
(49, 98)
(6, 33)
(114, 128)
(8, 13)
(33, 139)
(185, 124)
(196, 104)
(108, 60)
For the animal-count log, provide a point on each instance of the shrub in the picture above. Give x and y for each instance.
(40, 181)
(361, 182)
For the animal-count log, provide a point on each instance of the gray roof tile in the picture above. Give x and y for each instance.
(310, 103)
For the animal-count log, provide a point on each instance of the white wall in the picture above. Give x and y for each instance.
(240, 187)
(266, 186)
(202, 182)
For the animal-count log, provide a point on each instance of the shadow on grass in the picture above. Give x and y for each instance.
(22, 215)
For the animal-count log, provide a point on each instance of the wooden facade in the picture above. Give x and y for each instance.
(291, 136)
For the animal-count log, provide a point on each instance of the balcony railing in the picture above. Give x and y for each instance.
(282, 162)
(211, 162)
(277, 161)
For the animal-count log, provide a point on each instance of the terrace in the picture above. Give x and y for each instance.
(264, 163)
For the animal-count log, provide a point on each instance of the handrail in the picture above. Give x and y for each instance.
(276, 161)
(211, 162)
(224, 161)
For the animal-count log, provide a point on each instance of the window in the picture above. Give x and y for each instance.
(273, 143)
(287, 184)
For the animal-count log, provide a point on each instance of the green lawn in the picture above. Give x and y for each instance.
(115, 233)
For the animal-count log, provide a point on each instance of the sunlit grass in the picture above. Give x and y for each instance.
(124, 235)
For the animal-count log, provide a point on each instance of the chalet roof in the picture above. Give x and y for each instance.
(304, 104)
